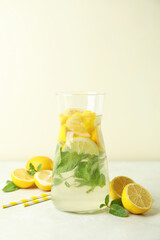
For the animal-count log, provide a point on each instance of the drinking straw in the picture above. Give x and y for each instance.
(37, 201)
(11, 204)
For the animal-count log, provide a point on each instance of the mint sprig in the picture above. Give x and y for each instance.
(115, 208)
(32, 169)
(85, 167)
(10, 187)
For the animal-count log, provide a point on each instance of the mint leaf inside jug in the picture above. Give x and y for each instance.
(85, 170)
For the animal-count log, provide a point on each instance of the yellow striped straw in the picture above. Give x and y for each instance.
(11, 204)
(37, 201)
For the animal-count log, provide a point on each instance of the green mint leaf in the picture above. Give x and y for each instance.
(102, 180)
(107, 200)
(10, 187)
(82, 171)
(88, 173)
(86, 168)
(31, 167)
(101, 153)
(67, 184)
(69, 161)
(117, 201)
(90, 190)
(57, 181)
(102, 205)
(81, 182)
(39, 166)
(118, 210)
(8, 181)
(31, 172)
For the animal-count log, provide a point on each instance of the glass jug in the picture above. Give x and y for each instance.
(80, 175)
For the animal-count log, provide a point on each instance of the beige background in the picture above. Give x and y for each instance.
(93, 45)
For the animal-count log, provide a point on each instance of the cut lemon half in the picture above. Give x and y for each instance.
(117, 185)
(136, 199)
(21, 178)
(43, 179)
(81, 145)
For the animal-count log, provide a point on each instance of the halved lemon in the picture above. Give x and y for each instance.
(21, 178)
(117, 185)
(81, 145)
(43, 179)
(136, 199)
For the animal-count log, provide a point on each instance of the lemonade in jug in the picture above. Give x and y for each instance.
(80, 175)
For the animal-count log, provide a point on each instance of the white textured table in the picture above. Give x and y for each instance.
(44, 222)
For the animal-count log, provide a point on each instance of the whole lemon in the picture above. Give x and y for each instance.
(47, 163)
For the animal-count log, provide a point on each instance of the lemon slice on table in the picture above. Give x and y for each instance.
(21, 178)
(81, 145)
(117, 185)
(136, 199)
(43, 179)
(47, 163)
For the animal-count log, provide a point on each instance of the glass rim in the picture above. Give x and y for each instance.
(73, 93)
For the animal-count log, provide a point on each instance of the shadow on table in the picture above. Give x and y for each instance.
(91, 213)
(152, 212)
(155, 210)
